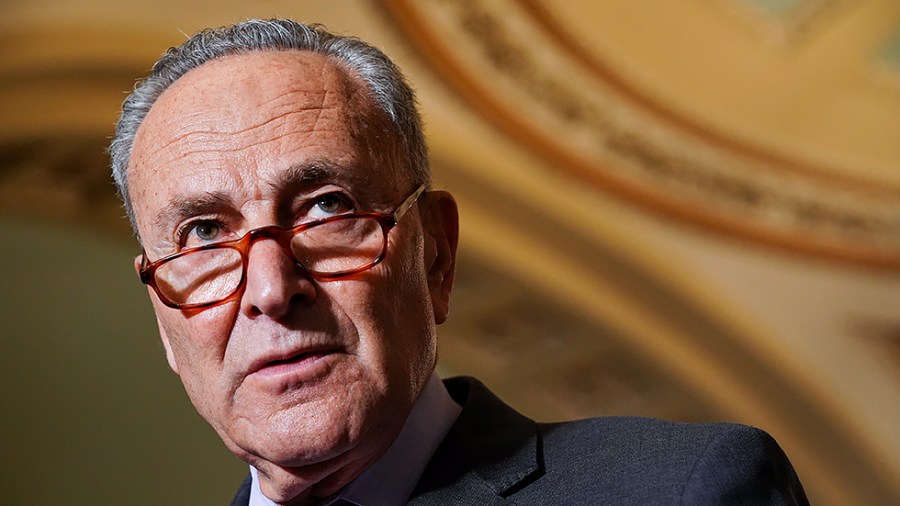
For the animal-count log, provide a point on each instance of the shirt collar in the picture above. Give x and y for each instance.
(392, 479)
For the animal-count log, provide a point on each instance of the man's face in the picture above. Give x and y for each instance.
(292, 372)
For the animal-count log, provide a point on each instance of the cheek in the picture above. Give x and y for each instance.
(198, 341)
(401, 324)
(198, 344)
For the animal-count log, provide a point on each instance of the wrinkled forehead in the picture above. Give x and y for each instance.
(239, 93)
(231, 87)
(259, 103)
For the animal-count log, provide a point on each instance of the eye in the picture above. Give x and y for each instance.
(200, 233)
(206, 231)
(329, 204)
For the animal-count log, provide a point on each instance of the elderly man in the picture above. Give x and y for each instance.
(298, 262)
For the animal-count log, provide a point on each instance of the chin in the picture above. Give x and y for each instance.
(300, 436)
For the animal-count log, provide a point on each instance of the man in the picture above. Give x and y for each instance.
(298, 262)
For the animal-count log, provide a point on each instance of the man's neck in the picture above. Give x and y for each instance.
(386, 477)
(304, 486)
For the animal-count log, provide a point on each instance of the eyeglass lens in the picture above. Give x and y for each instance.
(331, 248)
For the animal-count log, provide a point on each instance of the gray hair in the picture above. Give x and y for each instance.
(391, 94)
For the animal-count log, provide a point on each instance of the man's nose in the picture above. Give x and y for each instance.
(275, 283)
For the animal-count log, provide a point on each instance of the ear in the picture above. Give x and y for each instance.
(170, 357)
(440, 222)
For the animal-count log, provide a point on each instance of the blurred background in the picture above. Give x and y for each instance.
(688, 210)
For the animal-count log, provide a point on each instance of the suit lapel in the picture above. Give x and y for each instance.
(491, 451)
(242, 497)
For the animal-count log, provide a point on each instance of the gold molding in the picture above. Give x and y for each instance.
(713, 181)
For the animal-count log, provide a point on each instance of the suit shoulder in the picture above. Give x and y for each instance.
(647, 442)
(633, 460)
(242, 497)
(648, 433)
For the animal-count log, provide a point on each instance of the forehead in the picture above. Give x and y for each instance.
(241, 94)
(250, 117)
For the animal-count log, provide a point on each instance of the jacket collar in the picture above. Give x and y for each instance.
(491, 451)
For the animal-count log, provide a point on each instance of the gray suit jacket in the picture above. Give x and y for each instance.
(494, 455)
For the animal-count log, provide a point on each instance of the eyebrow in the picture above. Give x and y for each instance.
(297, 177)
(289, 181)
(315, 171)
(182, 207)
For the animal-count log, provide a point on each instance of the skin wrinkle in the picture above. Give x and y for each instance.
(292, 181)
(184, 207)
(318, 116)
(187, 137)
(379, 125)
(306, 438)
(285, 98)
(399, 102)
(181, 211)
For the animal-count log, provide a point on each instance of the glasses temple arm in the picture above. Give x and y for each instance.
(406, 204)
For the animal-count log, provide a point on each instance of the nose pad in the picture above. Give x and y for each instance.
(276, 282)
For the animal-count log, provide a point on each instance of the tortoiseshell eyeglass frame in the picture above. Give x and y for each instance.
(283, 237)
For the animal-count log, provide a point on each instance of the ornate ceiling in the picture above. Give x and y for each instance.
(779, 127)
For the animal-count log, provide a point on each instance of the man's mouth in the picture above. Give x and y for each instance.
(300, 357)
(304, 363)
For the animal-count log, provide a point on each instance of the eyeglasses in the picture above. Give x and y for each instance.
(327, 249)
